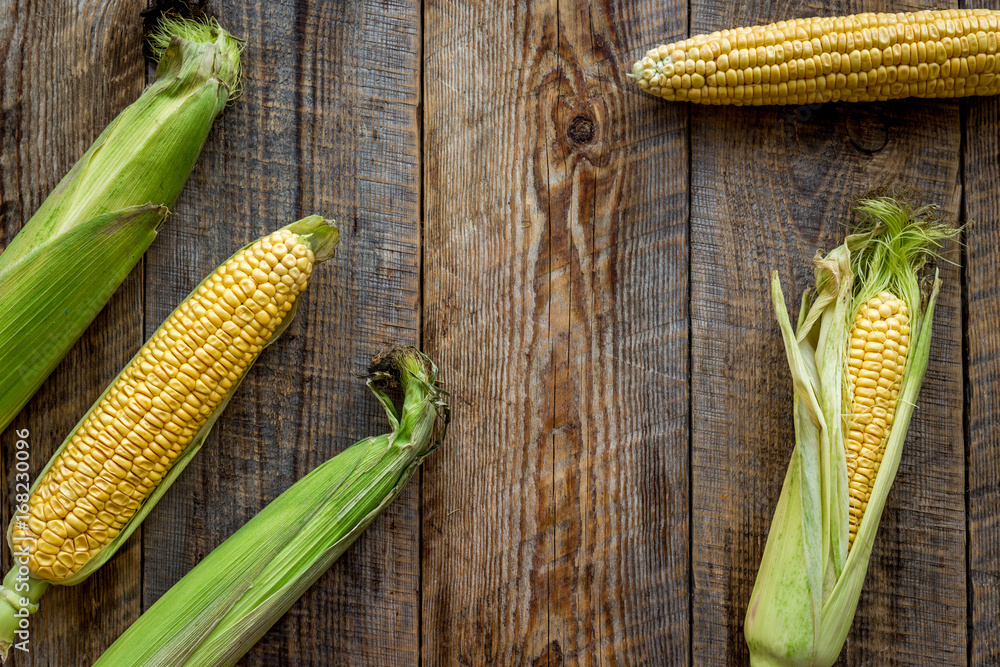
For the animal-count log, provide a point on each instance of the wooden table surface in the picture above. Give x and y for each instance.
(589, 268)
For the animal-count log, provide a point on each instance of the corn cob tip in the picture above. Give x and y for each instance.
(403, 367)
(892, 243)
(413, 371)
(201, 31)
(319, 233)
(395, 364)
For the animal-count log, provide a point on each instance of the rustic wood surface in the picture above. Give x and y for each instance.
(589, 268)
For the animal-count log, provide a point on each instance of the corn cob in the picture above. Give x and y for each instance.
(228, 601)
(879, 340)
(858, 58)
(142, 431)
(159, 402)
(64, 265)
(857, 361)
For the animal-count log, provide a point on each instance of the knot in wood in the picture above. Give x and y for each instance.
(867, 130)
(581, 130)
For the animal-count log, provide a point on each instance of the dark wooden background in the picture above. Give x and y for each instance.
(588, 266)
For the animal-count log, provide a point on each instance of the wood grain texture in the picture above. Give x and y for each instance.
(508, 200)
(981, 173)
(555, 518)
(770, 186)
(321, 128)
(982, 238)
(66, 70)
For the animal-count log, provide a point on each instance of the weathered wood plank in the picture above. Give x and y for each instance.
(982, 357)
(982, 237)
(327, 124)
(769, 187)
(66, 70)
(555, 525)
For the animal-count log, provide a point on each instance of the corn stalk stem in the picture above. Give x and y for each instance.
(20, 593)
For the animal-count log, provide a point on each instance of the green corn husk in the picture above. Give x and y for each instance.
(20, 589)
(225, 604)
(809, 582)
(64, 265)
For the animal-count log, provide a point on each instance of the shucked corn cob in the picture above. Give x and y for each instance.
(63, 266)
(859, 58)
(129, 447)
(857, 362)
